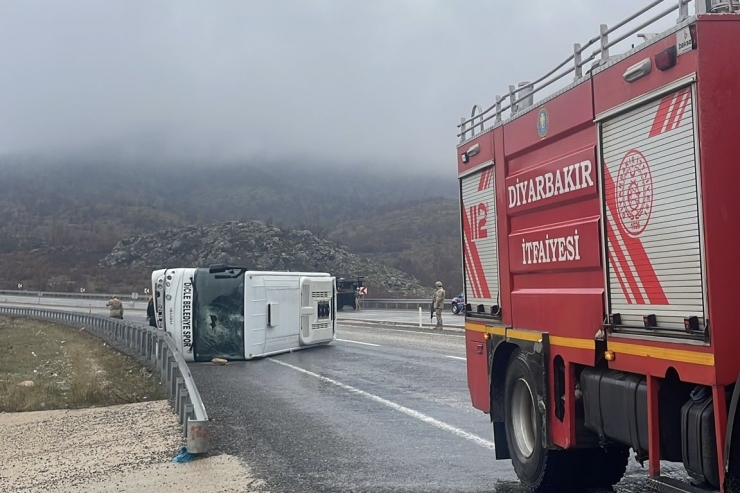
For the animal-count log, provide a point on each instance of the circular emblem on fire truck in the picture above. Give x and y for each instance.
(634, 192)
(543, 122)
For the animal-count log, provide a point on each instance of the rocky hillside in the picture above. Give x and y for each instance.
(260, 247)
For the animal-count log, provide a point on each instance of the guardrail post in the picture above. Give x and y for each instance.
(140, 341)
(161, 348)
(171, 375)
(178, 398)
(182, 403)
(189, 416)
(163, 363)
(149, 346)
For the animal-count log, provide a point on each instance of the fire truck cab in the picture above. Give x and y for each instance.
(600, 230)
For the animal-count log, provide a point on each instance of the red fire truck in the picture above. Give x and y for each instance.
(600, 230)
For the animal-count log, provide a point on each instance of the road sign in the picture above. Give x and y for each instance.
(134, 296)
(82, 290)
(146, 290)
(363, 291)
(20, 286)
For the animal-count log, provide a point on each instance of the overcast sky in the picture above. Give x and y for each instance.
(349, 81)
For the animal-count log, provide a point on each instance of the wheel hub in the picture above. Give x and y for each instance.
(523, 418)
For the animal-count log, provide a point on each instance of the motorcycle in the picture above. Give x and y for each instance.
(458, 304)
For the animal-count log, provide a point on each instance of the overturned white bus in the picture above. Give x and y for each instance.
(236, 314)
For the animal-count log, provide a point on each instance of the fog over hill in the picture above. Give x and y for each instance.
(65, 215)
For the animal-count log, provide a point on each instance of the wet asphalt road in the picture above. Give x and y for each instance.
(393, 416)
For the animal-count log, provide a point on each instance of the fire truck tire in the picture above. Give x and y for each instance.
(538, 468)
(602, 468)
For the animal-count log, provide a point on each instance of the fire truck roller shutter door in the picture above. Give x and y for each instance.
(652, 213)
(480, 243)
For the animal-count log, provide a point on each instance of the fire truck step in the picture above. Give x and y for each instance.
(669, 485)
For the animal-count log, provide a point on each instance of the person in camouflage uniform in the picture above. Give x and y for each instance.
(116, 307)
(439, 303)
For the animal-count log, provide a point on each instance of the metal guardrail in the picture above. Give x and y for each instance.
(152, 347)
(38, 296)
(53, 294)
(394, 304)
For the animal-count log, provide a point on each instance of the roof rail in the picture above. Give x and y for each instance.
(521, 96)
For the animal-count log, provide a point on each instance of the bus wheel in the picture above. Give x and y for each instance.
(602, 467)
(538, 468)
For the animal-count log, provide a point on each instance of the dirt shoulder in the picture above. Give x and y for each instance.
(92, 420)
(119, 448)
(49, 366)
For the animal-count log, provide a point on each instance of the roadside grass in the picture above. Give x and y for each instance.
(69, 368)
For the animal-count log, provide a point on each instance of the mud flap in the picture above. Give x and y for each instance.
(499, 441)
(496, 394)
(536, 353)
(537, 358)
(732, 444)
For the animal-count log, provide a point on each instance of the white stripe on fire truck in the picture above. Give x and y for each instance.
(629, 261)
(617, 251)
(485, 179)
(634, 249)
(475, 269)
(620, 277)
(670, 112)
(470, 268)
(682, 101)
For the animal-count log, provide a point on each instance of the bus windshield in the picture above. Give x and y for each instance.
(218, 316)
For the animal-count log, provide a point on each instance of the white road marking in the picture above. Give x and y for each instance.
(374, 328)
(457, 357)
(358, 342)
(405, 410)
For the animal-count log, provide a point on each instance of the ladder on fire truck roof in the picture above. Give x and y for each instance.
(521, 96)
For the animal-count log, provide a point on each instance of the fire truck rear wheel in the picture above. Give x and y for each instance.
(538, 468)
